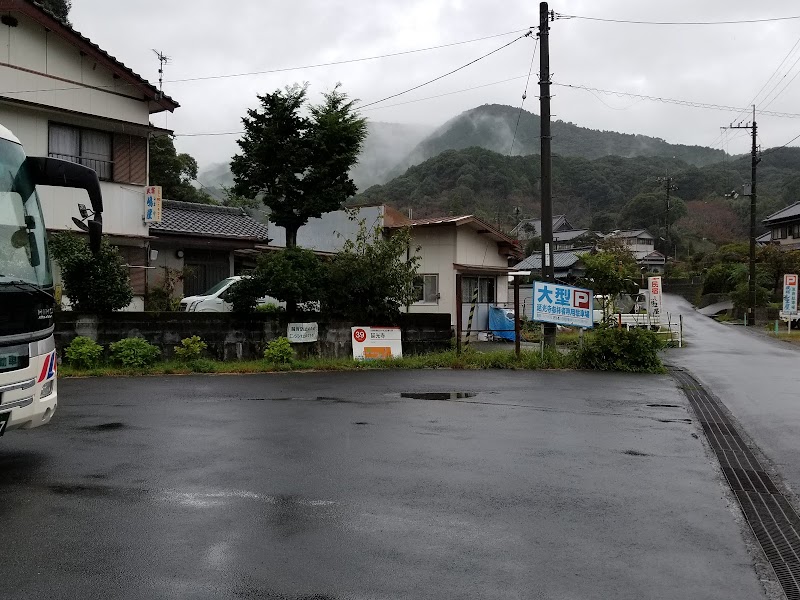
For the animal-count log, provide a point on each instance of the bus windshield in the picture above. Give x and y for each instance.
(23, 246)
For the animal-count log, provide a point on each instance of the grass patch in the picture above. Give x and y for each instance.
(469, 359)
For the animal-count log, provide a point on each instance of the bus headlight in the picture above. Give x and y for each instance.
(47, 388)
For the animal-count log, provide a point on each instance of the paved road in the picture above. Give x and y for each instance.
(758, 379)
(542, 485)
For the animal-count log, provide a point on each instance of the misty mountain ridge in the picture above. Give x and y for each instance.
(492, 127)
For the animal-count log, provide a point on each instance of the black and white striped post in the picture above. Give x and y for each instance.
(472, 312)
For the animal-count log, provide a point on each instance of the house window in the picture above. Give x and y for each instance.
(484, 285)
(796, 231)
(426, 289)
(784, 233)
(88, 147)
(774, 234)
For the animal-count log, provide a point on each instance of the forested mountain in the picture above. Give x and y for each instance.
(492, 127)
(603, 193)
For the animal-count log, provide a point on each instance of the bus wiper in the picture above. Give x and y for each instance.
(28, 287)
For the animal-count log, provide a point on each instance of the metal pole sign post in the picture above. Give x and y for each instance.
(655, 300)
(789, 311)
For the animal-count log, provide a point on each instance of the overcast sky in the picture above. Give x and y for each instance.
(721, 64)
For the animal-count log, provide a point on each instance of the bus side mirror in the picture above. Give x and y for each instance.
(42, 170)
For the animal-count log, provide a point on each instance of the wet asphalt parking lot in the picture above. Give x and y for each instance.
(333, 486)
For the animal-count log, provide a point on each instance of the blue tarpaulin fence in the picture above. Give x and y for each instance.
(501, 322)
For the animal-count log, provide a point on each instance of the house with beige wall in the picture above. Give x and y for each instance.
(466, 246)
(65, 97)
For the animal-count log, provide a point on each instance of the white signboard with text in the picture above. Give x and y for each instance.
(655, 300)
(562, 304)
(370, 343)
(789, 294)
(302, 333)
(152, 204)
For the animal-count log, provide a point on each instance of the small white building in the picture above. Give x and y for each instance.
(463, 245)
(65, 97)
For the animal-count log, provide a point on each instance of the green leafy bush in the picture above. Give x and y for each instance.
(191, 348)
(622, 350)
(135, 353)
(84, 353)
(203, 365)
(279, 351)
(741, 295)
(270, 309)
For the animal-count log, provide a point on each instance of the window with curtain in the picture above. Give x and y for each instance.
(88, 147)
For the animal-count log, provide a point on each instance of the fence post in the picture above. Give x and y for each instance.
(517, 332)
(680, 337)
(459, 313)
(472, 312)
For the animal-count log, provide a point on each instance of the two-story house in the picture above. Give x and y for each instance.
(65, 97)
(642, 246)
(784, 227)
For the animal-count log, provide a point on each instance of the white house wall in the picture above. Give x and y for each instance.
(329, 232)
(437, 253)
(478, 250)
(123, 204)
(47, 61)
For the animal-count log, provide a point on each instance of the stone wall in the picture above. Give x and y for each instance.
(230, 336)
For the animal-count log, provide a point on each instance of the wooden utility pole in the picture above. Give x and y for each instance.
(754, 160)
(548, 273)
(669, 186)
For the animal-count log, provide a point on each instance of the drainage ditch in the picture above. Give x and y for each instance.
(772, 518)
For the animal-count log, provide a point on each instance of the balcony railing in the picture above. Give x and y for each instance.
(103, 168)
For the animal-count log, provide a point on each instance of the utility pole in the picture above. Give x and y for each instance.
(548, 273)
(669, 186)
(754, 160)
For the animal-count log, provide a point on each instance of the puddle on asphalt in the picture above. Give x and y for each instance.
(438, 395)
(674, 420)
(663, 406)
(104, 426)
(635, 453)
(361, 423)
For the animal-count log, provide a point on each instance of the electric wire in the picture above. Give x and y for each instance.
(472, 62)
(628, 21)
(524, 96)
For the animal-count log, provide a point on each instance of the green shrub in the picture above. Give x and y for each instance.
(191, 348)
(83, 353)
(203, 365)
(135, 353)
(270, 309)
(622, 350)
(279, 351)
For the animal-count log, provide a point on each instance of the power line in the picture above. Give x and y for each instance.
(783, 89)
(771, 150)
(346, 61)
(737, 22)
(524, 96)
(281, 70)
(676, 101)
(472, 62)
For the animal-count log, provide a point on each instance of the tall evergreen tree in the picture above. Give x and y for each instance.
(59, 8)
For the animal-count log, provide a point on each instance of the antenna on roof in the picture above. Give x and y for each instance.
(163, 59)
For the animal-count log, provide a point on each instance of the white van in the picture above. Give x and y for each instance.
(214, 300)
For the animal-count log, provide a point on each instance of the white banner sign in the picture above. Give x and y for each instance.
(562, 304)
(655, 300)
(790, 294)
(370, 343)
(301, 333)
(152, 204)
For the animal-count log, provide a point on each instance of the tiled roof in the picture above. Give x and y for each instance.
(629, 233)
(764, 238)
(784, 213)
(562, 259)
(569, 234)
(534, 226)
(209, 220)
(157, 96)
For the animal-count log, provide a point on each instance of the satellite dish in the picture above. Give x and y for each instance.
(80, 224)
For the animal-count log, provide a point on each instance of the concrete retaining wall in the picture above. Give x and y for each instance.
(230, 336)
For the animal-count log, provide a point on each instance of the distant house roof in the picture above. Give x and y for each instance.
(36, 11)
(208, 220)
(653, 258)
(630, 233)
(533, 227)
(464, 220)
(568, 235)
(764, 238)
(791, 212)
(562, 259)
